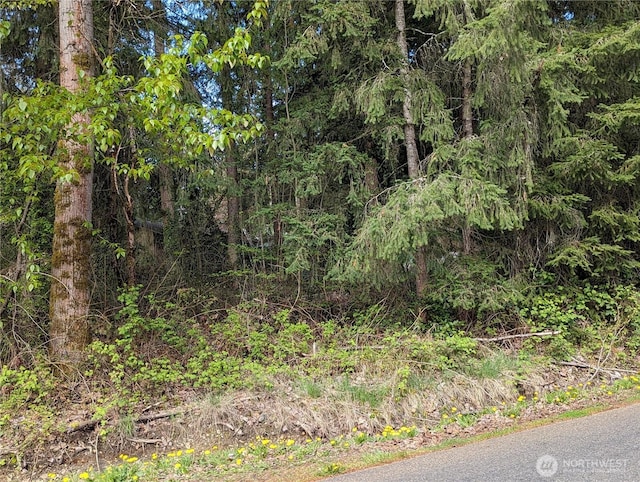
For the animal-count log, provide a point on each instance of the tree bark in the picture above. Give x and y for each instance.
(70, 260)
(233, 211)
(413, 158)
(233, 195)
(165, 174)
(269, 121)
(467, 129)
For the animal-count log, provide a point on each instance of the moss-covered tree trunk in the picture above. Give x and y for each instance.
(70, 262)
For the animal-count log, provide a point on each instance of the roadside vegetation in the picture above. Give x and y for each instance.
(185, 387)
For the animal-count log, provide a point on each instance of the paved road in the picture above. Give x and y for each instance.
(600, 447)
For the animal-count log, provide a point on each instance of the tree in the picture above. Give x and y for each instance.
(71, 251)
(413, 158)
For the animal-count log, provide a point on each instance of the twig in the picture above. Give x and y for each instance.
(96, 450)
(578, 364)
(521, 335)
(145, 440)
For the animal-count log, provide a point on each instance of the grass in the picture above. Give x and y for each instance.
(266, 459)
(252, 377)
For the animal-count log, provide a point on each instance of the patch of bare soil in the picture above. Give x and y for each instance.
(75, 440)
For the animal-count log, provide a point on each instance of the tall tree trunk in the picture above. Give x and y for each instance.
(165, 174)
(70, 260)
(269, 121)
(467, 129)
(233, 211)
(413, 158)
(233, 196)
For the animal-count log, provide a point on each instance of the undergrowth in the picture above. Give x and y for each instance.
(160, 349)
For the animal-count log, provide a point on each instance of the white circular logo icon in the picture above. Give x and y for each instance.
(547, 465)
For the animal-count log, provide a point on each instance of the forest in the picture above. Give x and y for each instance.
(210, 194)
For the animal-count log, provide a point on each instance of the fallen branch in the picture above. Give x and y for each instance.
(89, 424)
(586, 366)
(145, 440)
(79, 426)
(165, 414)
(521, 335)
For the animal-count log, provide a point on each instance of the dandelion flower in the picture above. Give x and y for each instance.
(84, 476)
(238, 461)
(177, 465)
(188, 451)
